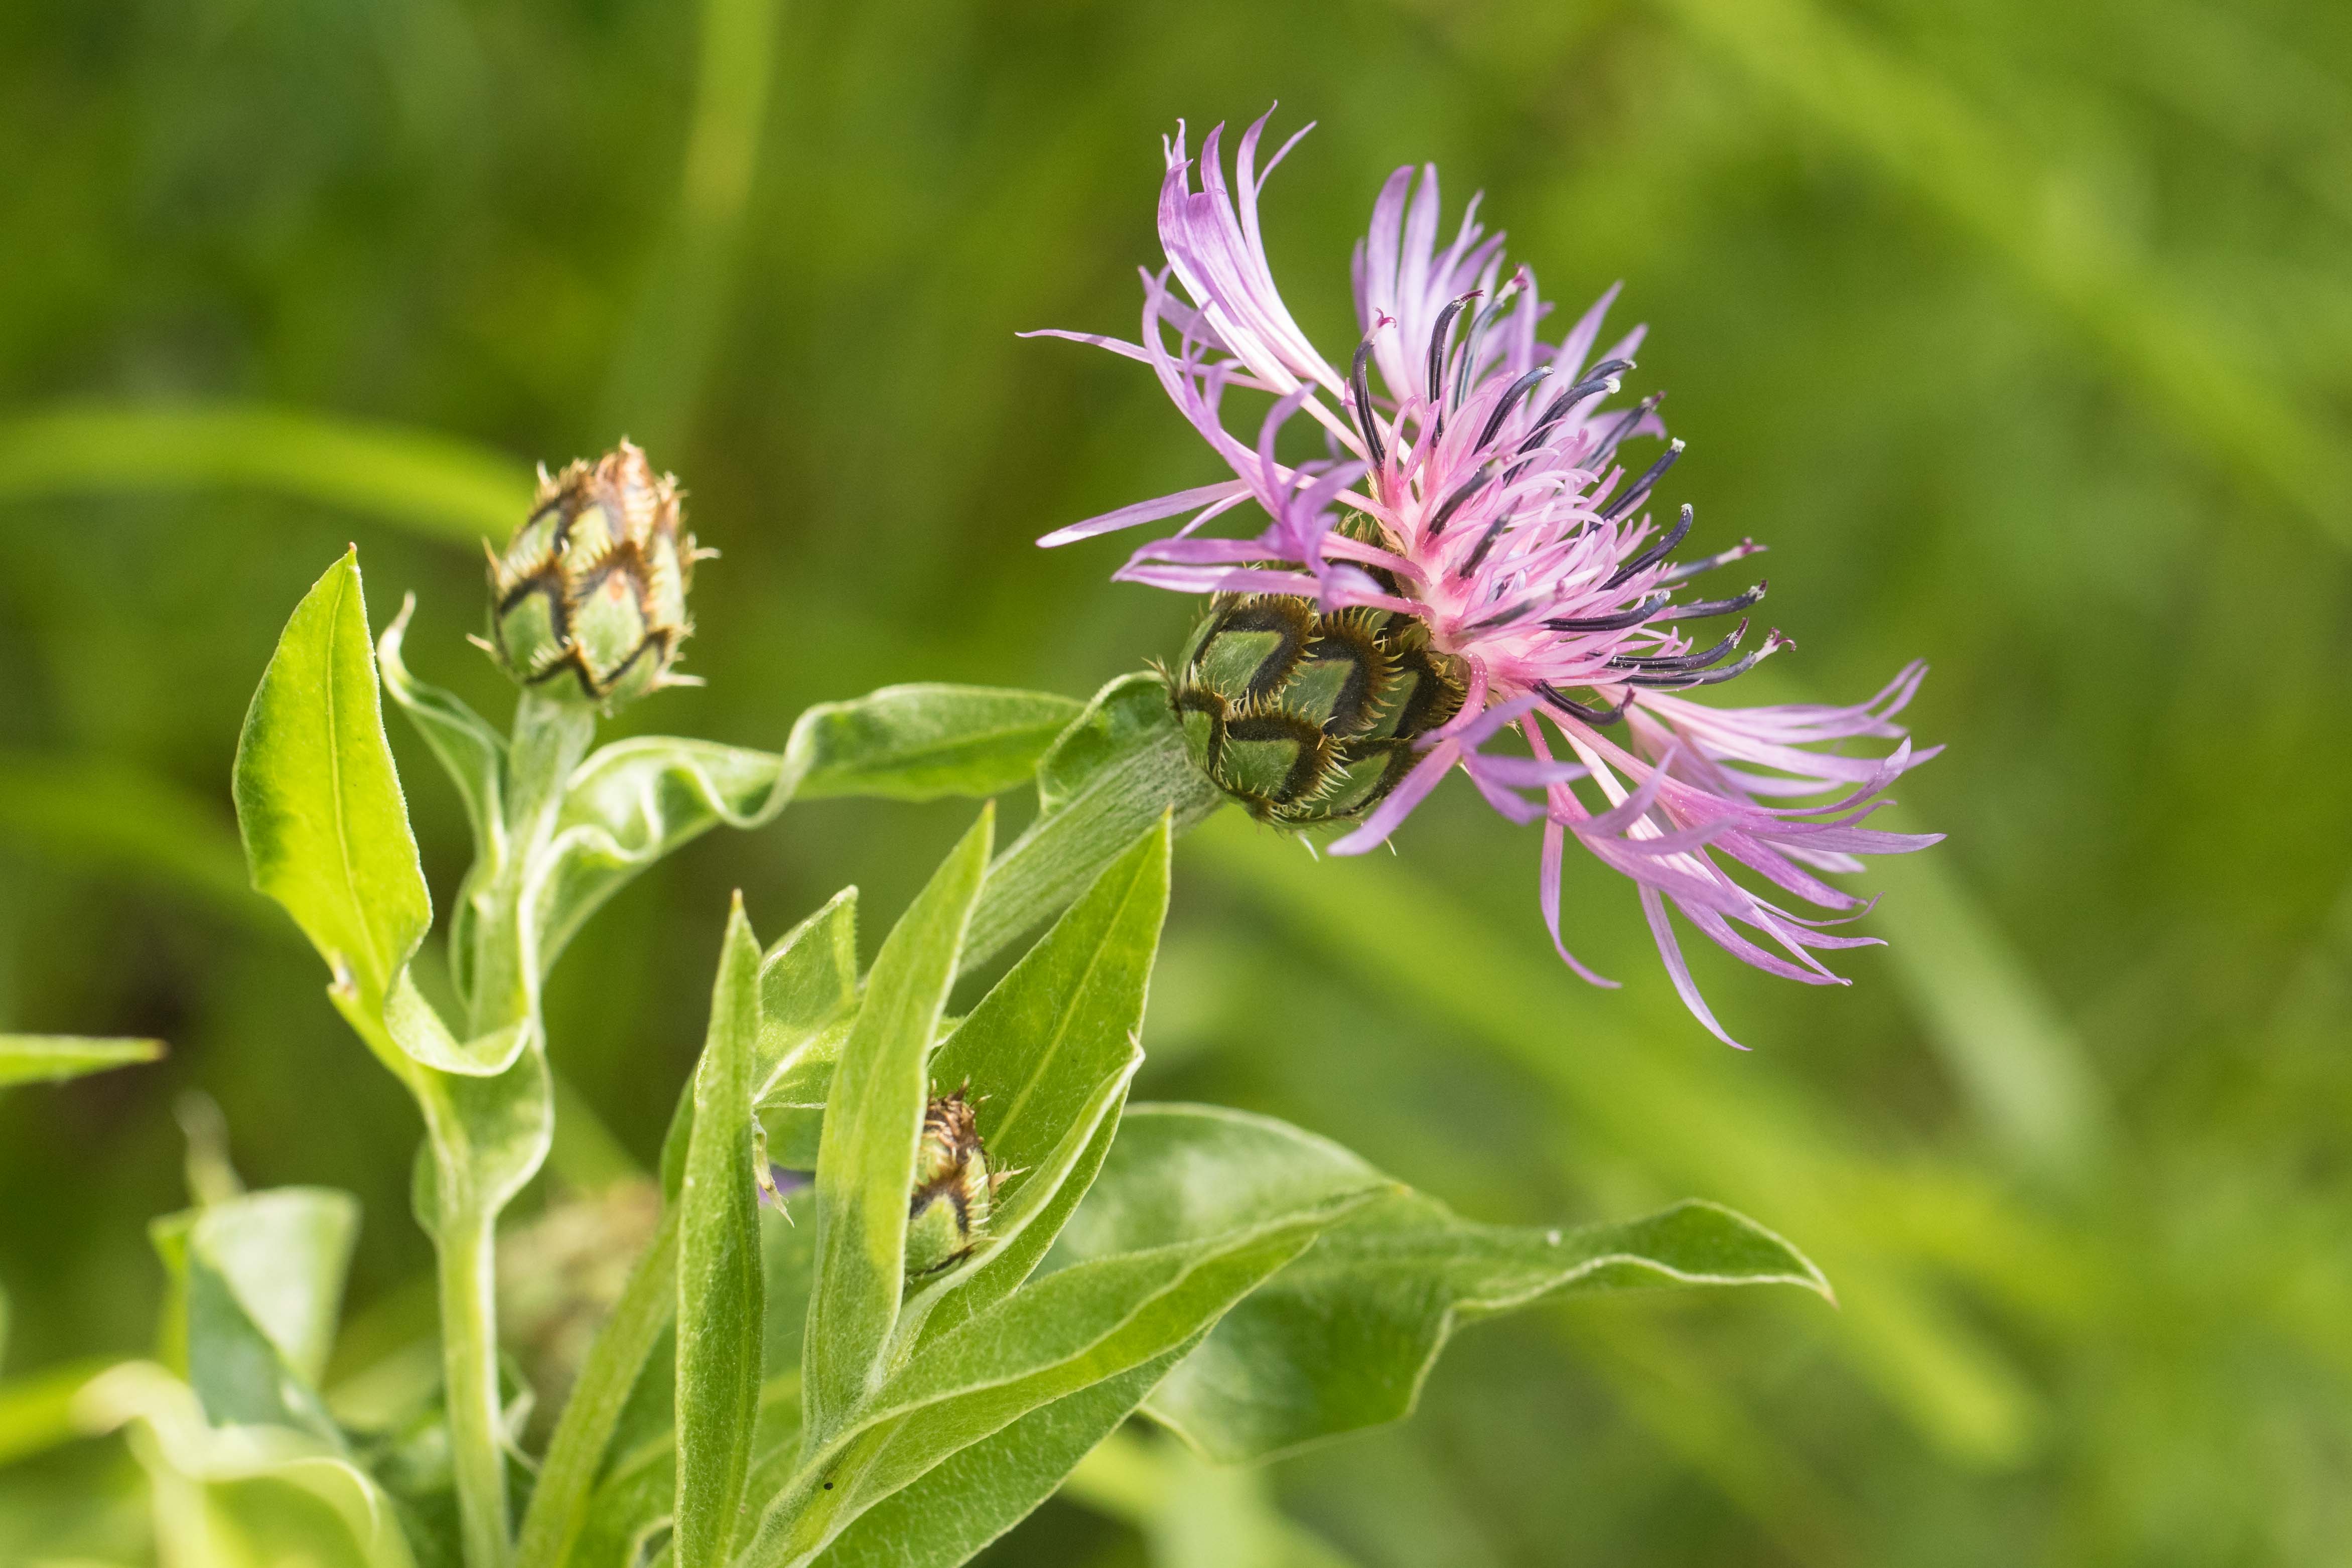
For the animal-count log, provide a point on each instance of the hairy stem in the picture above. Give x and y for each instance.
(469, 1363)
(549, 740)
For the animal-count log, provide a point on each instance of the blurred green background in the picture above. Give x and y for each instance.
(2022, 332)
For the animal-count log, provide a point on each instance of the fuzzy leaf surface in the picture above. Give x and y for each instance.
(325, 828)
(865, 1163)
(718, 1274)
(54, 1058)
(1117, 768)
(1343, 1338)
(976, 1495)
(473, 753)
(926, 741)
(1265, 1190)
(808, 992)
(1048, 1053)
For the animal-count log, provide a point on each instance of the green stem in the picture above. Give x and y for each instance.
(549, 740)
(469, 1364)
(558, 1506)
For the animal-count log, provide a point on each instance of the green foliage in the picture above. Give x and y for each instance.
(1344, 1338)
(719, 1266)
(55, 1058)
(866, 1165)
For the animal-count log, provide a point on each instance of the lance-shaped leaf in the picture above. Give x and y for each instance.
(1048, 1053)
(1263, 1192)
(866, 1164)
(54, 1058)
(1117, 768)
(808, 992)
(926, 741)
(1343, 1338)
(256, 1289)
(325, 828)
(970, 1499)
(718, 1277)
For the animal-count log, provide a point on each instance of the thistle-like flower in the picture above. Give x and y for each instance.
(955, 1189)
(588, 601)
(1472, 499)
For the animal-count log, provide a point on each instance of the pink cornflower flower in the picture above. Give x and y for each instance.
(1503, 517)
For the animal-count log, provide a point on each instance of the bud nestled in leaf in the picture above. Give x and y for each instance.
(1307, 719)
(589, 600)
(955, 1190)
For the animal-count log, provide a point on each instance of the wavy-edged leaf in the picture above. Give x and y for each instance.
(865, 1162)
(1343, 1338)
(1117, 768)
(473, 753)
(325, 828)
(54, 1058)
(926, 741)
(719, 1266)
(230, 1496)
(1048, 1053)
(1260, 1193)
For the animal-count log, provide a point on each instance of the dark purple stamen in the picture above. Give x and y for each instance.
(1591, 716)
(1632, 497)
(1690, 568)
(1437, 351)
(1486, 542)
(1655, 553)
(1667, 664)
(1617, 430)
(1501, 617)
(1617, 622)
(1459, 499)
(1470, 345)
(1773, 642)
(1364, 425)
(1503, 405)
(1701, 608)
(1601, 377)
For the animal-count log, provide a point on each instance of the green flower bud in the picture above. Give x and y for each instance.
(1307, 719)
(589, 600)
(955, 1190)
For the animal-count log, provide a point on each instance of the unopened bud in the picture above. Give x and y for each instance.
(1306, 718)
(955, 1189)
(589, 600)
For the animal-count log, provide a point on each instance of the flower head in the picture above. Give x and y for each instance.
(588, 602)
(1475, 486)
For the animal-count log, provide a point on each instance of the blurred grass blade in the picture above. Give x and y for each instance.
(428, 484)
(114, 815)
(36, 1412)
(662, 362)
(1193, 1514)
(2049, 226)
(54, 1058)
(2019, 1064)
(719, 1275)
(866, 1164)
